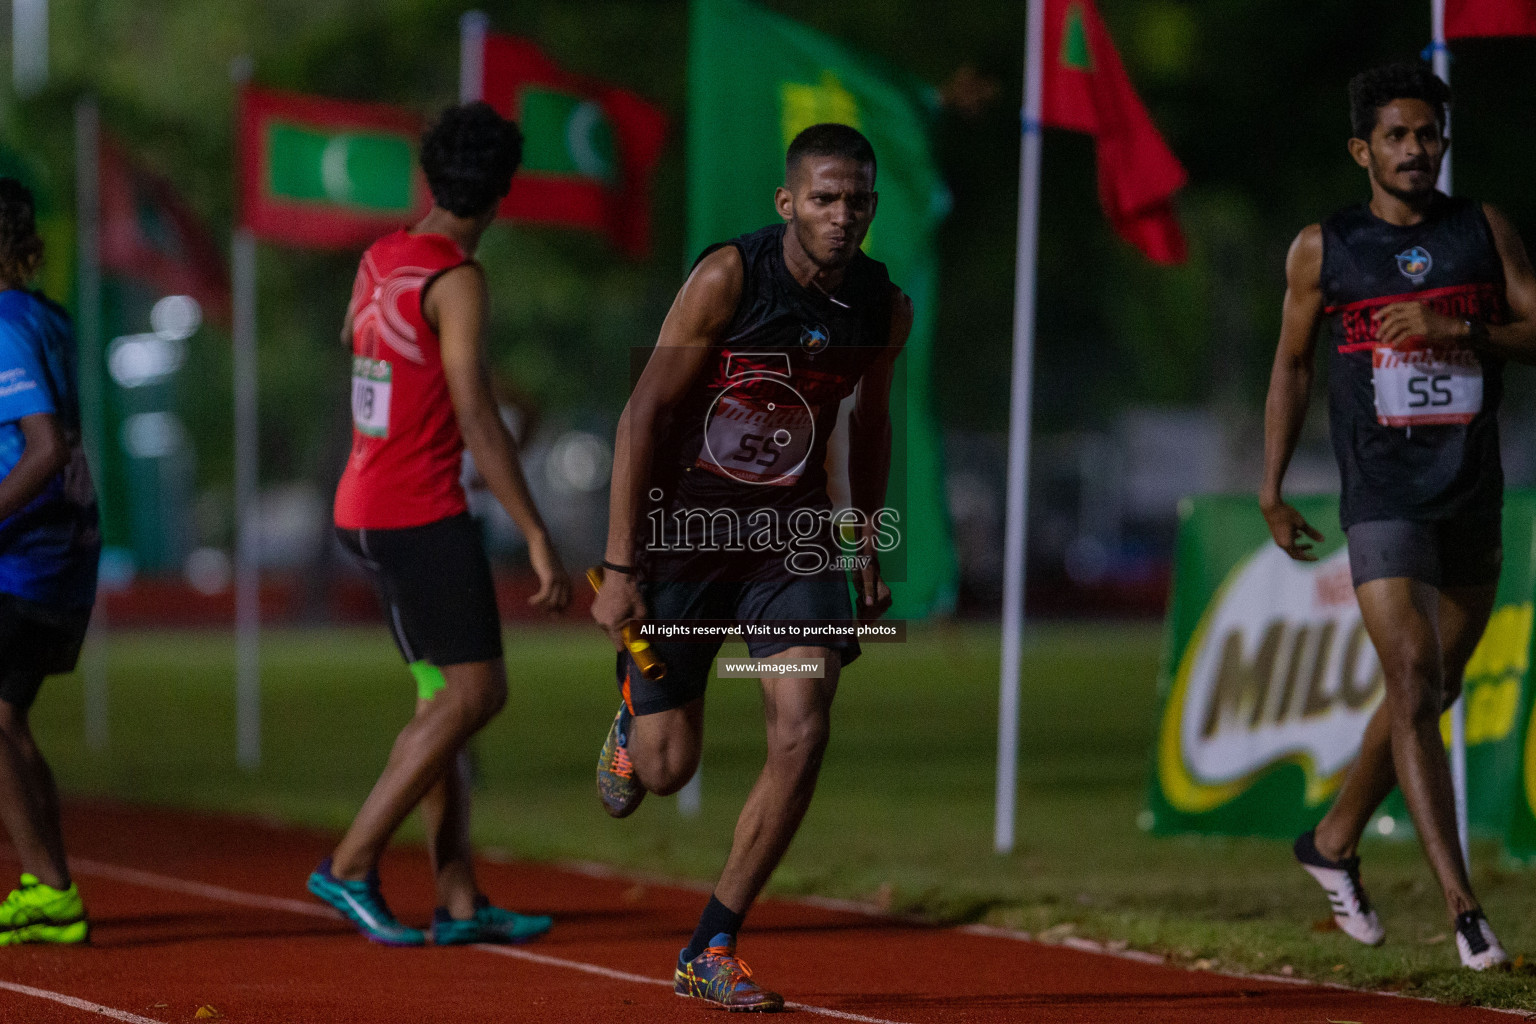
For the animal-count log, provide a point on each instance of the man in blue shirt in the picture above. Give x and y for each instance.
(49, 549)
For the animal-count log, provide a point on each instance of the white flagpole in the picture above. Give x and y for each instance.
(29, 46)
(473, 25)
(1440, 59)
(1018, 430)
(247, 571)
(92, 386)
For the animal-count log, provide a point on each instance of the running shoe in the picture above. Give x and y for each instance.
(40, 913)
(363, 904)
(1475, 941)
(490, 924)
(617, 786)
(722, 979)
(1340, 879)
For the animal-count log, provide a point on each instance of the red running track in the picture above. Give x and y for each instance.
(195, 911)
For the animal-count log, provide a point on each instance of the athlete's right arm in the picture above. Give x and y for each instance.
(1290, 387)
(699, 316)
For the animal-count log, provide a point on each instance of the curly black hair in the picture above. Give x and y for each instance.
(469, 155)
(829, 139)
(1374, 88)
(21, 250)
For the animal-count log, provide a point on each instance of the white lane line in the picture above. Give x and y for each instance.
(219, 893)
(203, 889)
(78, 1004)
(555, 961)
(839, 1014)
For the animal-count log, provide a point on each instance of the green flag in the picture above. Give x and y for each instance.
(755, 81)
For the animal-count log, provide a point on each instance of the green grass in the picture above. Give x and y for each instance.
(903, 816)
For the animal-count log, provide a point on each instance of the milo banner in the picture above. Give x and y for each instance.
(1269, 677)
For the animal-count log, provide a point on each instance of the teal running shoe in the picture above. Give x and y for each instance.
(617, 787)
(490, 924)
(723, 980)
(363, 904)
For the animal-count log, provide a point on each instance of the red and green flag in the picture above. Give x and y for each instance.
(589, 148)
(150, 234)
(1087, 90)
(326, 173)
(1464, 18)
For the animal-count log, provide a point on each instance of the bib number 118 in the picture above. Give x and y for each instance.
(370, 396)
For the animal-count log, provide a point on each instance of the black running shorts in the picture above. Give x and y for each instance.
(36, 642)
(1463, 552)
(434, 582)
(821, 598)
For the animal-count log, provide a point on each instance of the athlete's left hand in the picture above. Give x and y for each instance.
(1413, 321)
(874, 595)
(554, 582)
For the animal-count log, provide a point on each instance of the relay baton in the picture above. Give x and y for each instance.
(651, 667)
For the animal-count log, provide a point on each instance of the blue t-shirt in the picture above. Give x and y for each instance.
(50, 548)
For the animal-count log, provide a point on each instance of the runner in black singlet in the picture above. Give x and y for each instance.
(720, 511)
(1425, 297)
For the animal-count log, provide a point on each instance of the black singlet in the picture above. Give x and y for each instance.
(752, 431)
(1415, 430)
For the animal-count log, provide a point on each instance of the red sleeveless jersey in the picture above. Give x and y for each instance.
(406, 447)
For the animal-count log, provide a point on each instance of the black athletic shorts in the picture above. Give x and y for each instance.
(822, 598)
(434, 582)
(1465, 552)
(35, 642)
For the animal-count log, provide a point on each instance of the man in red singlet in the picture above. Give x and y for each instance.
(421, 395)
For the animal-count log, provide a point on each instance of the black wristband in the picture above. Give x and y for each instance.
(627, 570)
(1477, 332)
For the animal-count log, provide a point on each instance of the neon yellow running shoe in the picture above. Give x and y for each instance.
(40, 913)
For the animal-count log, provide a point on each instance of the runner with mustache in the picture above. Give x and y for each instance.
(1425, 297)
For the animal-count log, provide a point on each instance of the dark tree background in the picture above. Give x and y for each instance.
(1249, 94)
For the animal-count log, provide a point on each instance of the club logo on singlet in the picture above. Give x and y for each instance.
(1415, 263)
(814, 338)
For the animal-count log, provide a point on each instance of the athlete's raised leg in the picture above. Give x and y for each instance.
(1402, 617)
(472, 695)
(665, 746)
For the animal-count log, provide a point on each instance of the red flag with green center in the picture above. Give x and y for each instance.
(1087, 90)
(326, 173)
(1465, 18)
(589, 148)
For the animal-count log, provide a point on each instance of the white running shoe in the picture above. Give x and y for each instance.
(1340, 879)
(1475, 941)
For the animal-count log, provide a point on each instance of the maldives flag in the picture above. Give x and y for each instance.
(1087, 90)
(327, 173)
(1489, 18)
(148, 233)
(589, 148)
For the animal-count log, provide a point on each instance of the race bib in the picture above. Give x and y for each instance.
(759, 440)
(370, 396)
(1426, 386)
